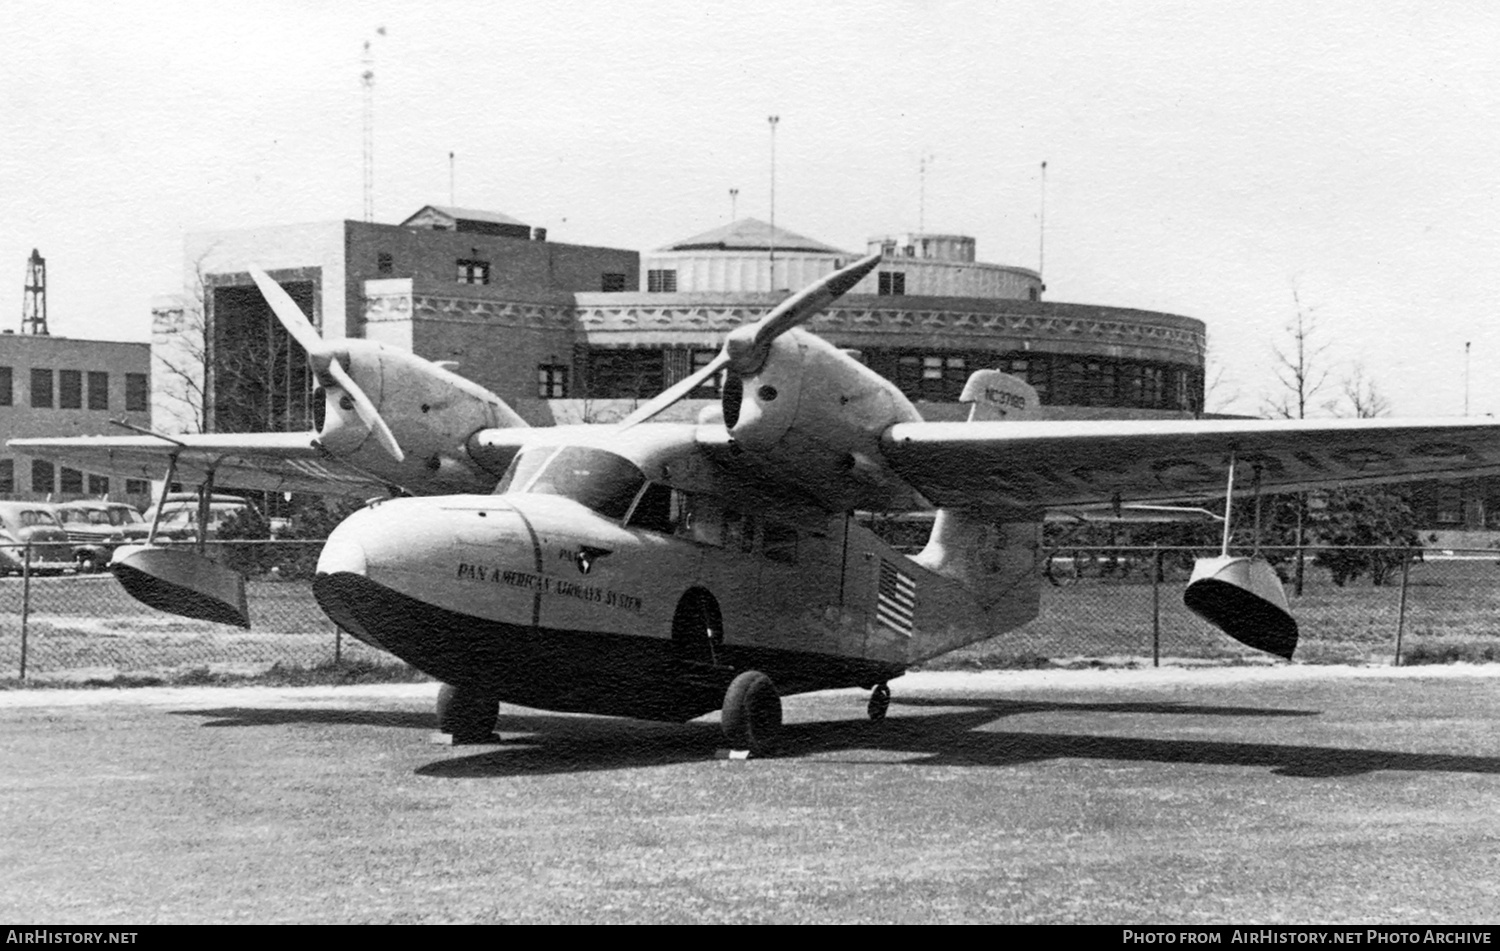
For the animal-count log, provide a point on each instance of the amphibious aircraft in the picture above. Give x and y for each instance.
(666, 570)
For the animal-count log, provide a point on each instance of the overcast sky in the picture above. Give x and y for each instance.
(1202, 159)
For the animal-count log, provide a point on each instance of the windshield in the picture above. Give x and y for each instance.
(121, 515)
(37, 517)
(601, 480)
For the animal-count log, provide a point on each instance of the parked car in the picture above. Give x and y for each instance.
(179, 520)
(33, 524)
(96, 528)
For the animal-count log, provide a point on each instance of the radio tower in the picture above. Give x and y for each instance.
(367, 79)
(34, 304)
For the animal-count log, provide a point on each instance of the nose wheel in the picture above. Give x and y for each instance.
(880, 702)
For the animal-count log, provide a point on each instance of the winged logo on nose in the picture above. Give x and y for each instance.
(586, 556)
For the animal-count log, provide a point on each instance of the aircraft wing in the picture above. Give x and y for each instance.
(1043, 464)
(275, 462)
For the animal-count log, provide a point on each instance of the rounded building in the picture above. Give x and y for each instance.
(569, 333)
(928, 317)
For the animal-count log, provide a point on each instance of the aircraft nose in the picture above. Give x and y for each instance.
(342, 552)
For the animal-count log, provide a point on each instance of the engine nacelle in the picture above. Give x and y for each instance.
(430, 410)
(815, 415)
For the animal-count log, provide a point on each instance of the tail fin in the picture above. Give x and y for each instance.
(996, 395)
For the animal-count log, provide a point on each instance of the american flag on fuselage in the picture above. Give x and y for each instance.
(896, 599)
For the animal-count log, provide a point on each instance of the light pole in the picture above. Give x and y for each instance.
(773, 120)
(1466, 377)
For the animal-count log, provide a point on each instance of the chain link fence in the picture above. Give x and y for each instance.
(1098, 604)
(79, 626)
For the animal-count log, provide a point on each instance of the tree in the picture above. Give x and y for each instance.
(1302, 374)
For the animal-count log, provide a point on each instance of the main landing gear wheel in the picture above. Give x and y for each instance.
(880, 702)
(752, 713)
(467, 716)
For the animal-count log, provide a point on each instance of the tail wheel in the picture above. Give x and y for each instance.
(752, 713)
(466, 715)
(880, 702)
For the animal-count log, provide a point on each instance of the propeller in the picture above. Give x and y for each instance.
(746, 348)
(324, 359)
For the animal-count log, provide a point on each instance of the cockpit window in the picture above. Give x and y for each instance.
(522, 468)
(601, 480)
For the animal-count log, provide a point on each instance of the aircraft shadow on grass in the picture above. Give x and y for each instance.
(541, 743)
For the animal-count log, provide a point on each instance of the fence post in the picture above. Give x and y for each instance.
(25, 602)
(1401, 611)
(1156, 605)
(338, 646)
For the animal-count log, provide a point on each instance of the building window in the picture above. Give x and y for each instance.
(612, 283)
(137, 487)
(98, 390)
(552, 381)
(7, 476)
(137, 393)
(41, 476)
(98, 485)
(69, 389)
(473, 271)
(661, 282)
(892, 283)
(41, 389)
(384, 263)
(72, 481)
(6, 399)
(714, 385)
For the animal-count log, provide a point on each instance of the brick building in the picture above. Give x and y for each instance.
(58, 386)
(575, 332)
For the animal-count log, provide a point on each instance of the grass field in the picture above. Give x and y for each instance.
(1291, 795)
(87, 627)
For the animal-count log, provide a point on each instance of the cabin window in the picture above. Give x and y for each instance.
(612, 282)
(891, 283)
(137, 487)
(780, 542)
(658, 509)
(99, 485)
(661, 282)
(72, 481)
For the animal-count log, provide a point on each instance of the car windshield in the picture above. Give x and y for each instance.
(603, 481)
(37, 517)
(121, 515)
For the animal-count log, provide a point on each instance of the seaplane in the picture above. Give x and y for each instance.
(667, 570)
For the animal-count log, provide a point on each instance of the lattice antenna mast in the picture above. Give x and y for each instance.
(367, 79)
(34, 304)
